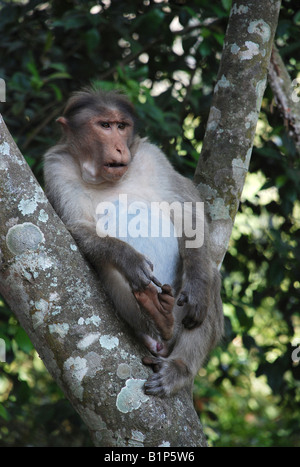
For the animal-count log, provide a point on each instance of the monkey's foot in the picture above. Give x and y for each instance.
(168, 378)
(159, 306)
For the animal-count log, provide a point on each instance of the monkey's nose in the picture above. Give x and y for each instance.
(122, 150)
(122, 154)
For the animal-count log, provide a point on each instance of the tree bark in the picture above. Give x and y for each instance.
(56, 296)
(227, 146)
(286, 95)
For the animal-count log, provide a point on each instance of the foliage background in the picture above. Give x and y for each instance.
(165, 55)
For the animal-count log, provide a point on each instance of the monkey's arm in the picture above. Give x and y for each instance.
(198, 283)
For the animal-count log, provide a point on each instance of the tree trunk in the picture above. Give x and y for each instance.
(56, 296)
(227, 146)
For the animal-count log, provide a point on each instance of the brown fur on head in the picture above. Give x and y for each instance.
(97, 101)
(99, 129)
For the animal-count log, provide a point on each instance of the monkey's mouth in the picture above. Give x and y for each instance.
(115, 164)
(114, 170)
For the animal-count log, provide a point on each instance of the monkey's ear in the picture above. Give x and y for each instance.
(64, 122)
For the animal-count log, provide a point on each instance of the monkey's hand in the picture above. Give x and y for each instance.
(195, 305)
(136, 268)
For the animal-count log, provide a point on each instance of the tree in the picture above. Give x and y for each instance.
(78, 373)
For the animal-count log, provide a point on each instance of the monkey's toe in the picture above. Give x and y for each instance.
(154, 386)
(170, 376)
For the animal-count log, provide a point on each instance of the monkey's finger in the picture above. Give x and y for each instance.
(155, 386)
(142, 285)
(149, 263)
(156, 282)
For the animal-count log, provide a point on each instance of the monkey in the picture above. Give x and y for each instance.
(111, 187)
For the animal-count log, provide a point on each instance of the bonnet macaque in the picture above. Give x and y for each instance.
(142, 226)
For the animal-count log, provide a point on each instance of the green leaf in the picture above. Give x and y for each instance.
(104, 85)
(3, 413)
(280, 180)
(219, 37)
(59, 67)
(275, 273)
(244, 320)
(296, 18)
(74, 22)
(58, 75)
(57, 92)
(23, 341)
(48, 42)
(205, 49)
(92, 39)
(31, 66)
(226, 4)
(30, 160)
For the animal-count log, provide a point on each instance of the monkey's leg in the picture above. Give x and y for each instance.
(189, 353)
(159, 307)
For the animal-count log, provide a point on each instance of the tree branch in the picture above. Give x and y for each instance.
(231, 125)
(285, 96)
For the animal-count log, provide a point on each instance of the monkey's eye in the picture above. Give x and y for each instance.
(104, 124)
(121, 126)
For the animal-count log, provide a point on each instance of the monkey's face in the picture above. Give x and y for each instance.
(112, 135)
(101, 144)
